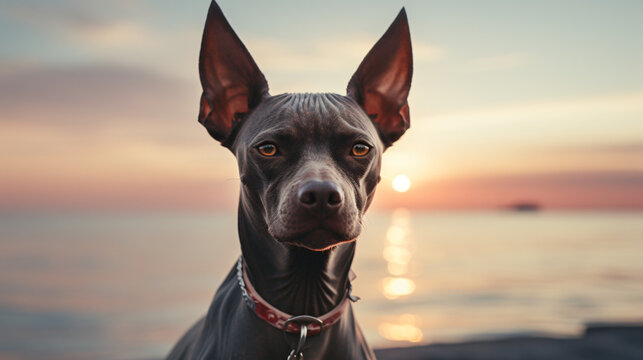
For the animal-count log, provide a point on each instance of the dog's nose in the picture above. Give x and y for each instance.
(320, 196)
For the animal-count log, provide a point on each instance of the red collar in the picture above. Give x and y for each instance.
(278, 318)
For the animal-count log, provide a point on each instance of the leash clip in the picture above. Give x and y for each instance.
(303, 321)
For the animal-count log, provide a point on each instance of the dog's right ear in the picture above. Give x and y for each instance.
(232, 83)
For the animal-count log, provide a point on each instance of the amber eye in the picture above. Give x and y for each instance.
(360, 149)
(267, 149)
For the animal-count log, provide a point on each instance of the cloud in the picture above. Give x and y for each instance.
(424, 52)
(328, 55)
(322, 64)
(633, 148)
(553, 190)
(78, 22)
(93, 96)
(10, 67)
(560, 117)
(112, 35)
(598, 133)
(612, 179)
(113, 32)
(105, 137)
(499, 62)
(101, 104)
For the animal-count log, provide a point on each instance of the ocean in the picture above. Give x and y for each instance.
(127, 285)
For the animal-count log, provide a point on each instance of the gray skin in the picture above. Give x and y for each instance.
(314, 134)
(300, 209)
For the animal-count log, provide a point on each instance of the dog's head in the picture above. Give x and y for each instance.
(309, 162)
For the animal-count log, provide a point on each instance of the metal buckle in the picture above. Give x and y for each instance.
(303, 321)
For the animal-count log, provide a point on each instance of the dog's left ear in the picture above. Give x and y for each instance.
(232, 83)
(382, 82)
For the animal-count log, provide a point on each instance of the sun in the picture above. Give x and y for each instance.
(401, 183)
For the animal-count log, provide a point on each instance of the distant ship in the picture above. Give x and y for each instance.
(525, 206)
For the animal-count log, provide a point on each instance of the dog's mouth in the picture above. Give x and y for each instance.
(318, 228)
(318, 238)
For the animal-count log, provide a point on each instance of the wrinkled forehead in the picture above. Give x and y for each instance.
(307, 116)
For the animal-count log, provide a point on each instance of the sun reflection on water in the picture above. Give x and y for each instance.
(395, 287)
(398, 255)
(396, 235)
(397, 269)
(405, 328)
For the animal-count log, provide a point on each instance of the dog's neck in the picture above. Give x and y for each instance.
(295, 280)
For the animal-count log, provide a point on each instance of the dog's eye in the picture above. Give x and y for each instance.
(267, 149)
(360, 149)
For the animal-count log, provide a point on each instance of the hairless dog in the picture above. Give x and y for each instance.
(309, 165)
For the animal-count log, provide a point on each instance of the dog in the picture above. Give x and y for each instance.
(309, 165)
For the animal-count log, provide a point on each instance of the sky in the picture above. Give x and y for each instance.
(512, 101)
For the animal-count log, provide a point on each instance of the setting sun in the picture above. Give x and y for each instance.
(401, 183)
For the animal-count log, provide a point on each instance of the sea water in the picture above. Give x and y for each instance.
(127, 285)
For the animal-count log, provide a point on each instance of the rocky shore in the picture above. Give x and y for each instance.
(598, 341)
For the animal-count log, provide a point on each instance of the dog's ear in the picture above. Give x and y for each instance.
(232, 83)
(382, 82)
